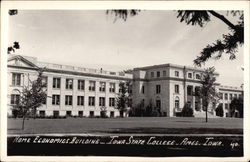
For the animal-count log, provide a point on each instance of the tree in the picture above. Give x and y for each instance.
(207, 91)
(219, 110)
(237, 104)
(32, 97)
(124, 96)
(230, 42)
(15, 44)
(187, 111)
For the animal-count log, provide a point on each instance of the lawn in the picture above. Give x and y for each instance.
(133, 125)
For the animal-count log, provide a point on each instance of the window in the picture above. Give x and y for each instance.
(55, 99)
(91, 101)
(142, 89)
(68, 113)
(197, 91)
(240, 95)
(81, 85)
(198, 76)
(176, 88)
(231, 96)
(80, 113)
(158, 74)
(226, 96)
(189, 75)
(112, 114)
(189, 90)
(221, 95)
(14, 99)
(91, 113)
(44, 101)
(176, 73)
(55, 114)
(45, 81)
(164, 73)
(158, 103)
(177, 102)
(16, 79)
(69, 84)
(112, 87)
(152, 74)
(101, 101)
(111, 102)
(91, 85)
(68, 100)
(226, 106)
(42, 113)
(235, 95)
(56, 82)
(102, 86)
(80, 100)
(158, 89)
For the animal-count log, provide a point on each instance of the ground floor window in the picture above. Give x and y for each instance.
(42, 113)
(55, 114)
(80, 113)
(158, 103)
(112, 114)
(68, 113)
(91, 114)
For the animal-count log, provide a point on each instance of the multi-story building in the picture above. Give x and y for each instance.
(71, 90)
(81, 91)
(227, 94)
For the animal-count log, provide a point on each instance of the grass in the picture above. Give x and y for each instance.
(144, 125)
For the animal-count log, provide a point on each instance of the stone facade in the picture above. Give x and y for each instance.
(79, 91)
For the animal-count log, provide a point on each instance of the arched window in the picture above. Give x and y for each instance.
(177, 102)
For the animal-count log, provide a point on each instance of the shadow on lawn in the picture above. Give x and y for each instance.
(159, 130)
(13, 129)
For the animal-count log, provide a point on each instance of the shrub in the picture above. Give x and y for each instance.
(187, 111)
(104, 114)
(219, 110)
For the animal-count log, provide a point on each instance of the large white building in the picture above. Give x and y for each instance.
(78, 91)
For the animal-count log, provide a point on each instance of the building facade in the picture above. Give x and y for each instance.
(78, 91)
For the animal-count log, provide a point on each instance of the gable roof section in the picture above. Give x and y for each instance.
(20, 61)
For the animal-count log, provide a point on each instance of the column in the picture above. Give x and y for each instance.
(193, 98)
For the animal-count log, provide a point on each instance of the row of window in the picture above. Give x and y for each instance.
(69, 100)
(16, 81)
(80, 85)
(158, 89)
(80, 100)
(229, 96)
(158, 74)
(69, 113)
(176, 74)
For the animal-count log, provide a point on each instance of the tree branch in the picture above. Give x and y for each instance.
(221, 17)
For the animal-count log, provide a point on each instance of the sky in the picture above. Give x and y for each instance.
(93, 39)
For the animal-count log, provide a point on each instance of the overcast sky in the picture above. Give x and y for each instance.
(92, 39)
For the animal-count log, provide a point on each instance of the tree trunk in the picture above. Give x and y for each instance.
(206, 114)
